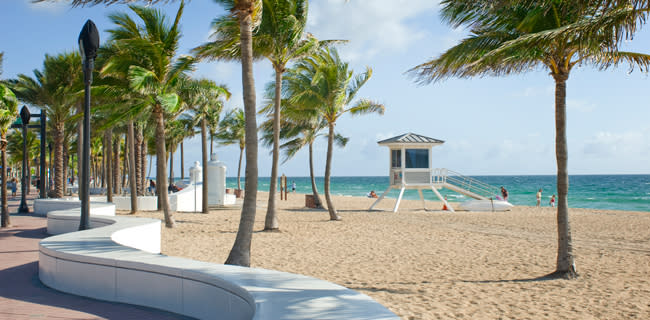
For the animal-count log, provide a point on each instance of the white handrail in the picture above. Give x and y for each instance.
(446, 176)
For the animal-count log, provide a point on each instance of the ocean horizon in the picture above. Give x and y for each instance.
(629, 192)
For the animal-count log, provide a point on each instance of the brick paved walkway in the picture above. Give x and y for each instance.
(23, 296)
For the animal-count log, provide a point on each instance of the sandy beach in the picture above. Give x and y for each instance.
(442, 265)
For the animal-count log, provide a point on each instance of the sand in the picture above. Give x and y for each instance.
(442, 265)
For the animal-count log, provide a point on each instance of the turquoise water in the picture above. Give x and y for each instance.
(617, 192)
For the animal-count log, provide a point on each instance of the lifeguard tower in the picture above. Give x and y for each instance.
(410, 168)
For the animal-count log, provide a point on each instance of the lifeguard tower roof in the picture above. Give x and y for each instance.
(410, 138)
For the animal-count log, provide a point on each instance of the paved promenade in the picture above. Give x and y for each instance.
(23, 296)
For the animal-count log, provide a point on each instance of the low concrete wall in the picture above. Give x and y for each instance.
(103, 263)
(43, 206)
(145, 203)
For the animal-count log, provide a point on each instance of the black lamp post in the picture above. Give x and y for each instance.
(24, 118)
(88, 45)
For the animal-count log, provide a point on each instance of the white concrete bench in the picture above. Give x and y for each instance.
(43, 206)
(121, 262)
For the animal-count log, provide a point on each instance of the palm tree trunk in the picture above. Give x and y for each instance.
(117, 183)
(160, 167)
(314, 189)
(211, 143)
(59, 174)
(328, 170)
(241, 249)
(132, 169)
(108, 137)
(5, 217)
(183, 162)
(565, 261)
(125, 163)
(66, 166)
(139, 187)
(204, 155)
(271, 221)
(241, 156)
(143, 159)
(171, 167)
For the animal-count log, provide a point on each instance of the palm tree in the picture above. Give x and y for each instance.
(248, 16)
(233, 130)
(324, 85)
(212, 118)
(299, 129)
(54, 89)
(203, 98)
(511, 37)
(8, 114)
(148, 53)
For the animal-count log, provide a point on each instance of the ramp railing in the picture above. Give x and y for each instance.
(463, 184)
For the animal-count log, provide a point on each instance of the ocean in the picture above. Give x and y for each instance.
(616, 192)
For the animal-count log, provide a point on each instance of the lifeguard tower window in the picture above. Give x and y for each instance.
(417, 158)
(396, 158)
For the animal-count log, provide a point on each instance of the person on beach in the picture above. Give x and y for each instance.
(539, 197)
(293, 186)
(372, 194)
(152, 186)
(552, 202)
(14, 182)
(504, 193)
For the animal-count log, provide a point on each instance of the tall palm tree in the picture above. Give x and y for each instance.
(248, 13)
(149, 56)
(54, 89)
(325, 86)
(8, 114)
(234, 131)
(511, 37)
(203, 97)
(212, 119)
(280, 38)
(297, 131)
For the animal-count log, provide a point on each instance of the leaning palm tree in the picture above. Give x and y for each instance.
(325, 86)
(516, 36)
(203, 98)
(233, 130)
(148, 52)
(8, 114)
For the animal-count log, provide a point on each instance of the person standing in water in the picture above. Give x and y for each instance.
(539, 197)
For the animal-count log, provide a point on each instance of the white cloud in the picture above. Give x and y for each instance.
(538, 91)
(580, 105)
(370, 26)
(453, 37)
(47, 6)
(627, 144)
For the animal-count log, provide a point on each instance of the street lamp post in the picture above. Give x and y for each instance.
(24, 118)
(88, 45)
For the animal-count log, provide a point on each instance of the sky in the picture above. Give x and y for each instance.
(491, 126)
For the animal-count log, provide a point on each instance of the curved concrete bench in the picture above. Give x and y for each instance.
(120, 262)
(43, 206)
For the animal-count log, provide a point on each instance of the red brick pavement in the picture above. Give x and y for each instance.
(23, 296)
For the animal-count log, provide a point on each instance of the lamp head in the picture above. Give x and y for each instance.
(89, 40)
(25, 115)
